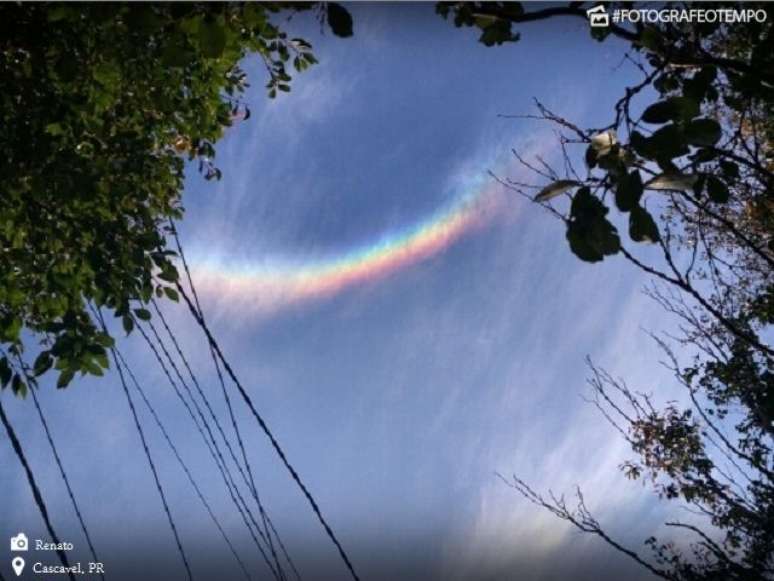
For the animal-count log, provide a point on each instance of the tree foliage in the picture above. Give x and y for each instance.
(102, 104)
(686, 164)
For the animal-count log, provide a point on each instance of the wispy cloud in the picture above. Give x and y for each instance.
(554, 441)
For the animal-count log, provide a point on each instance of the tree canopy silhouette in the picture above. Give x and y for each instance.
(102, 104)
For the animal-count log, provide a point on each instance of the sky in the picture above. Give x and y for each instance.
(407, 327)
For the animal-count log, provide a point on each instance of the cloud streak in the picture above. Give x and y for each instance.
(264, 286)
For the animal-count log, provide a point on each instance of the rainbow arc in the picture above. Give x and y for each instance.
(266, 286)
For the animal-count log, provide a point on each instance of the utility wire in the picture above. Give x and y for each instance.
(98, 315)
(234, 423)
(251, 483)
(249, 470)
(207, 405)
(35, 490)
(278, 572)
(152, 465)
(182, 463)
(214, 450)
(248, 401)
(32, 382)
(265, 428)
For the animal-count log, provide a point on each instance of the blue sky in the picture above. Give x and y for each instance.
(397, 399)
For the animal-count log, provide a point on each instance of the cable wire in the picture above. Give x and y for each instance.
(182, 463)
(249, 470)
(248, 479)
(234, 423)
(265, 428)
(35, 490)
(152, 466)
(98, 316)
(32, 382)
(214, 450)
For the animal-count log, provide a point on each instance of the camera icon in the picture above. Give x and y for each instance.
(20, 542)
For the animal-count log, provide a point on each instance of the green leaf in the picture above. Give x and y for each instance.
(704, 155)
(212, 38)
(18, 386)
(642, 226)
(496, 33)
(698, 86)
(169, 273)
(171, 293)
(102, 360)
(667, 142)
(591, 157)
(128, 323)
(628, 191)
(660, 112)
(590, 234)
(65, 378)
(717, 190)
(107, 74)
(143, 314)
(43, 363)
(703, 132)
(176, 53)
(651, 39)
(90, 366)
(672, 182)
(666, 83)
(555, 189)
(254, 14)
(5, 372)
(729, 168)
(640, 144)
(672, 109)
(105, 340)
(54, 129)
(142, 18)
(613, 160)
(339, 20)
(10, 327)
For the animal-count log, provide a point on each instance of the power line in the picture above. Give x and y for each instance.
(265, 428)
(33, 384)
(225, 474)
(207, 405)
(152, 466)
(35, 490)
(246, 398)
(234, 423)
(251, 483)
(264, 514)
(182, 463)
(213, 448)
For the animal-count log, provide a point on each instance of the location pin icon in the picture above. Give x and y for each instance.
(18, 565)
